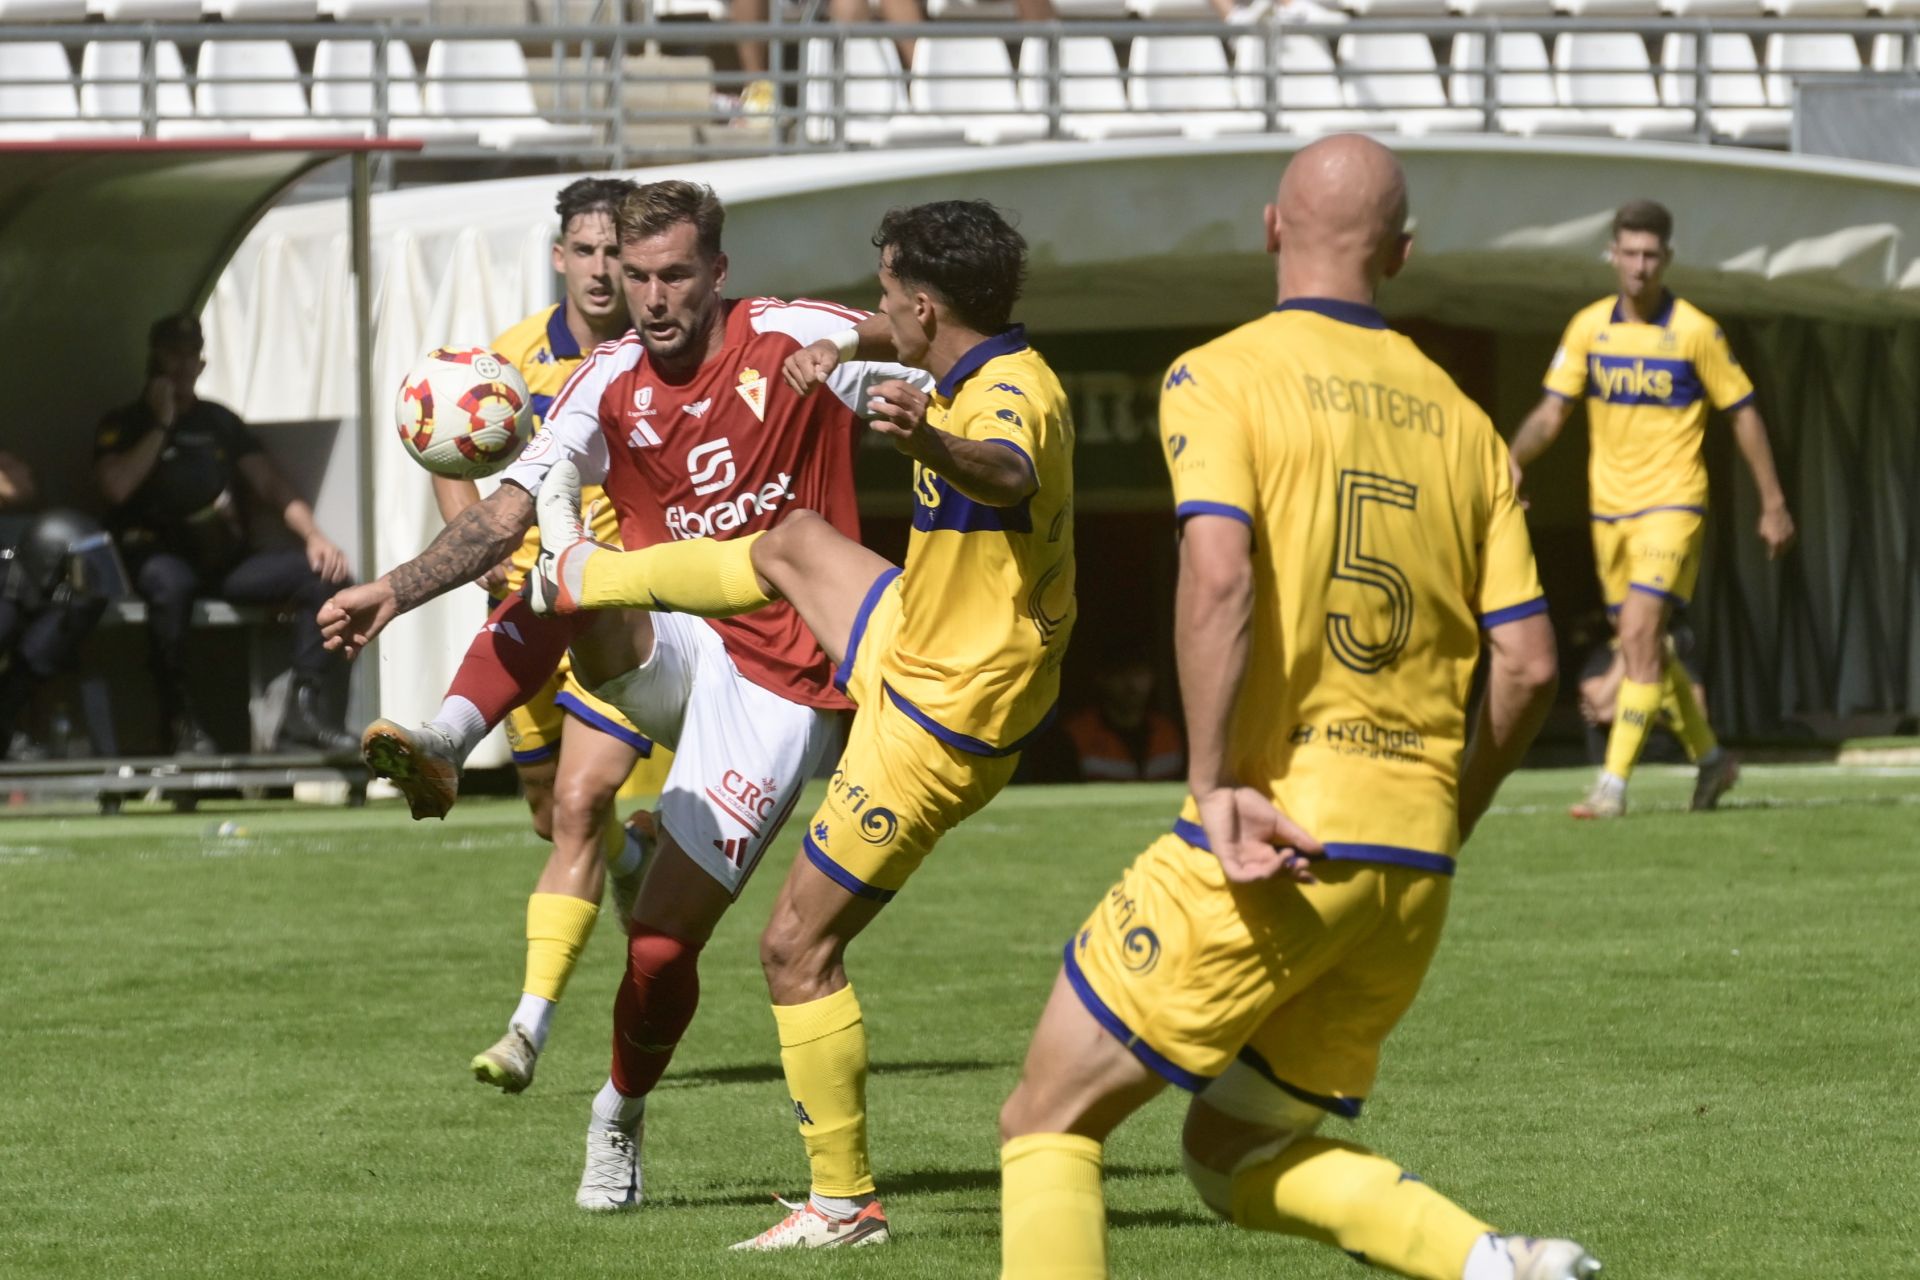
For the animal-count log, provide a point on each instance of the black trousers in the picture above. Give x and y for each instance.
(38, 643)
(169, 584)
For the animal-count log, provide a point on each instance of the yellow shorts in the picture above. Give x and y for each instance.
(1301, 982)
(1656, 551)
(533, 729)
(897, 788)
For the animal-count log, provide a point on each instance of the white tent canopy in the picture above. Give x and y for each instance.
(1124, 236)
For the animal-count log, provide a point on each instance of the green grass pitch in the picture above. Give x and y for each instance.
(1689, 1041)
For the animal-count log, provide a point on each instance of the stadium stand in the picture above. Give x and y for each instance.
(1523, 85)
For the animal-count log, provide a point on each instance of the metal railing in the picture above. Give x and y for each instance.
(619, 94)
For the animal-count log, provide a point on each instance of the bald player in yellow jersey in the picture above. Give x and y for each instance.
(1349, 541)
(576, 754)
(952, 661)
(1649, 365)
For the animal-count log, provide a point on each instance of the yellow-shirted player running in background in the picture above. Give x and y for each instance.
(952, 661)
(577, 756)
(1648, 364)
(1349, 541)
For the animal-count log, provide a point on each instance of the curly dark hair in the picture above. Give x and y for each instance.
(964, 251)
(589, 195)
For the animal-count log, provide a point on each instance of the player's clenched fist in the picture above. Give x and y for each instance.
(808, 367)
(899, 410)
(353, 617)
(1253, 839)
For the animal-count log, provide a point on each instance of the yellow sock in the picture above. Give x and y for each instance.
(557, 930)
(1346, 1196)
(1634, 709)
(823, 1047)
(1689, 720)
(1053, 1222)
(699, 576)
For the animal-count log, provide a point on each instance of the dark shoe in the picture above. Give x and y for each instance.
(190, 738)
(306, 725)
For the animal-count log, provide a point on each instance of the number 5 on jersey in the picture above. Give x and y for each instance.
(1352, 563)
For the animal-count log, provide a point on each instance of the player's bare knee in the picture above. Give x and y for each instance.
(782, 549)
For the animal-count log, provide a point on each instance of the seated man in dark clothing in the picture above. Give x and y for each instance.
(1123, 738)
(170, 465)
(47, 607)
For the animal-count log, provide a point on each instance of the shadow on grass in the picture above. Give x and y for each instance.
(770, 1073)
(944, 1181)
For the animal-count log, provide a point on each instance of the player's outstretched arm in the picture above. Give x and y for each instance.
(980, 469)
(1213, 619)
(1522, 673)
(807, 369)
(479, 537)
(1537, 433)
(1776, 522)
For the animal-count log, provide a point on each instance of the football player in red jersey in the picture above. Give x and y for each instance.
(690, 427)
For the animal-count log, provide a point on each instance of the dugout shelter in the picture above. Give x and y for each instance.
(1141, 248)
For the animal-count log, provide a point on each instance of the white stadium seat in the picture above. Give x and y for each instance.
(1524, 87)
(363, 10)
(876, 96)
(110, 89)
(1093, 92)
(1711, 8)
(1187, 78)
(1736, 96)
(1500, 8)
(43, 10)
(1607, 8)
(263, 10)
(484, 85)
(1396, 8)
(1397, 73)
(146, 10)
(1895, 8)
(1893, 53)
(1311, 98)
(1808, 53)
(255, 85)
(1817, 8)
(1608, 72)
(37, 98)
(1164, 10)
(971, 80)
(343, 90)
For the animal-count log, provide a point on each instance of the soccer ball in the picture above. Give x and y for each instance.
(464, 414)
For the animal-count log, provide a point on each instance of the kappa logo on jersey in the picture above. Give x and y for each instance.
(1179, 378)
(710, 465)
(1009, 388)
(749, 803)
(698, 408)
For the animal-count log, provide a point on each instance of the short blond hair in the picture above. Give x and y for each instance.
(654, 207)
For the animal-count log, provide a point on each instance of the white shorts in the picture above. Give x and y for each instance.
(741, 753)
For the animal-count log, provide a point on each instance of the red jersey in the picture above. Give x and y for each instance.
(722, 453)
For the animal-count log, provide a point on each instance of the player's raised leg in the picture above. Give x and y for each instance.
(566, 901)
(508, 662)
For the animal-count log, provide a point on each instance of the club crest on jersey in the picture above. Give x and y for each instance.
(753, 389)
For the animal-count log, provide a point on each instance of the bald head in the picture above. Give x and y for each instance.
(1341, 211)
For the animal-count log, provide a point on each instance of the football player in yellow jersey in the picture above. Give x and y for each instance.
(575, 753)
(952, 661)
(1648, 364)
(1349, 541)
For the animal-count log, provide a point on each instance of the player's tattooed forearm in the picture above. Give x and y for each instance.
(473, 542)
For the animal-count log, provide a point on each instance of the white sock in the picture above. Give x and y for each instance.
(613, 1109)
(534, 1016)
(462, 724)
(840, 1206)
(633, 851)
(1488, 1260)
(1613, 782)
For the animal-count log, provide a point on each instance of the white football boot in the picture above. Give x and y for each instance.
(805, 1227)
(554, 585)
(1606, 799)
(508, 1065)
(1537, 1258)
(610, 1183)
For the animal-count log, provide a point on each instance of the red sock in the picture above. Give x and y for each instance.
(655, 1005)
(512, 656)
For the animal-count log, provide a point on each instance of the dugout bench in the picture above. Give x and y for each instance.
(110, 779)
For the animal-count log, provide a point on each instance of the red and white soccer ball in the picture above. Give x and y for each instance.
(464, 413)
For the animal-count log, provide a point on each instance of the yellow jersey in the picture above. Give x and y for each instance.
(987, 592)
(1386, 535)
(545, 352)
(1647, 388)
